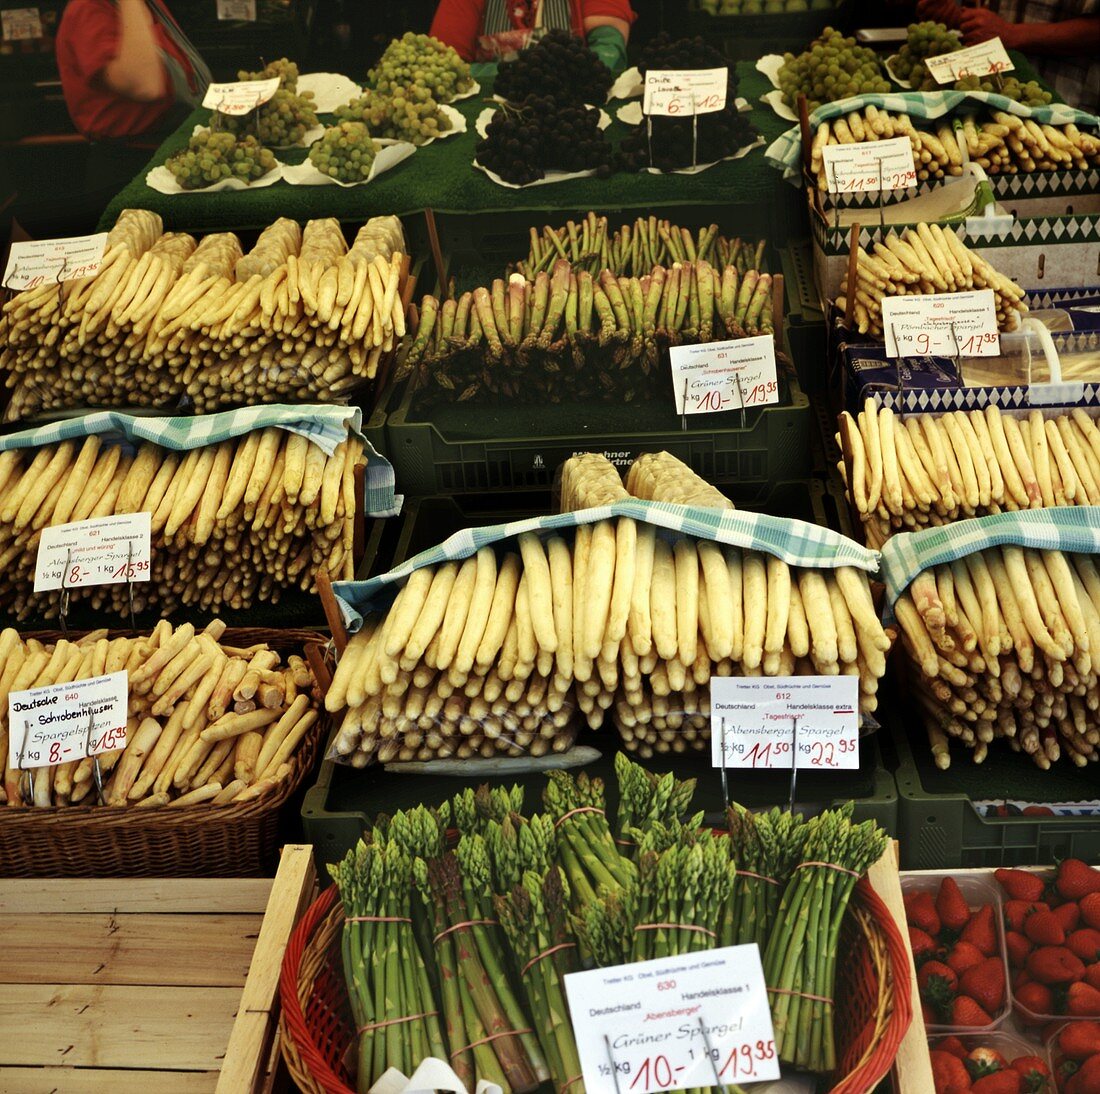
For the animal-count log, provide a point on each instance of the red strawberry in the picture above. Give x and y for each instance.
(1092, 974)
(1036, 998)
(1018, 946)
(953, 1045)
(1020, 978)
(1044, 929)
(1001, 1082)
(1086, 1079)
(985, 983)
(1068, 914)
(963, 955)
(1083, 1001)
(951, 905)
(966, 1012)
(931, 1018)
(1090, 909)
(1016, 911)
(920, 911)
(924, 945)
(949, 1073)
(1055, 965)
(1076, 879)
(1086, 944)
(1021, 884)
(981, 932)
(939, 971)
(1034, 1072)
(985, 1061)
(1079, 1040)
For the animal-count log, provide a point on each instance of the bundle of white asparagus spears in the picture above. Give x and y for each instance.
(497, 655)
(1002, 143)
(300, 317)
(232, 523)
(208, 721)
(927, 259)
(920, 470)
(1007, 643)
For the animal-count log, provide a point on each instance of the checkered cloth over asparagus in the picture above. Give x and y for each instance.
(1070, 528)
(796, 542)
(784, 153)
(325, 426)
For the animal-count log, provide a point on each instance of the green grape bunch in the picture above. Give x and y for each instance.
(279, 123)
(1030, 93)
(408, 114)
(345, 152)
(833, 67)
(211, 156)
(417, 60)
(287, 71)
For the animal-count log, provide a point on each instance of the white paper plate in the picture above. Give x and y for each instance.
(627, 85)
(758, 143)
(481, 125)
(163, 181)
(907, 84)
(549, 177)
(631, 113)
(330, 90)
(458, 125)
(390, 155)
(467, 94)
(774, 99)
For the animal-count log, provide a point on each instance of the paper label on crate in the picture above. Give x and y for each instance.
(63, 722)
(724, 375)
(36, 262)
(764, 721)
(951, 324)
(984, 59)
(700, 1020)
(100, 551)
(240, 97)
(869, 166)
(681, 93)
(20, 24)
(240, 11)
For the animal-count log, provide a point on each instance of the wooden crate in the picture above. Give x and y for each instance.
(143, 985)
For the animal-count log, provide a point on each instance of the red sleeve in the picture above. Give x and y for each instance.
(92, 32)
(617, 9)
(458, 23)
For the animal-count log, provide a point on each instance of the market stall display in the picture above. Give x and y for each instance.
(989, 1063)
(213, 157)
(832, 67)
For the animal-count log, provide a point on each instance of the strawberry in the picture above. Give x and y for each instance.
(1083, 1001)
(1001, 1082)
(1034, 1072)
(1076, 879)
(949, 1073)
(951, 905)
(1018, 947)
(1090, 910)
(985, 983)
(1092, 974)
(1086, 944)
(981, 932)
(931, 1016)
(920, 911)
(1016, 911)
(924, 945)
(1055, 965)
(985, 1061)
(953, 1045)
(1036, 998)
(1068, 914)
(1044, 929)
(1020, 884)
(963, 955)
(966, 1012)
(1086, 1079)
(1079, 1040)
(1020, 978)
(937, 970)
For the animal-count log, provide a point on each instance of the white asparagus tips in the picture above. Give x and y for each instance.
(203, 715)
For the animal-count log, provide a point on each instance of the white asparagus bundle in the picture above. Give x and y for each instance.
(203, 717)
(660, 476)
(1006, 642)
(232, 523)
(299, 318)
(923, 260)
(924, 470)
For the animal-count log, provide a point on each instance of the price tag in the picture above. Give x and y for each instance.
(239, 11)
(675, 93)
(20, 24)
(869, 165)
(674, 1023)
(952, 324)
(240, 97)
(100, 551)
(753, 719)
(35, 262)
(984, 59)
(724, 375)
(63, 722)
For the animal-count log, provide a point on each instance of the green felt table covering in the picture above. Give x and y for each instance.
(442, 177)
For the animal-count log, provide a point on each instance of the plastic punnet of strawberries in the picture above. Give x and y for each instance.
(1052, 934)
(960, 969)
(1076, 1053)
(957, 1069)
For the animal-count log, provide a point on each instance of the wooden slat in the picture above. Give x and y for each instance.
(25, 895)
(172, 949)
(68, 1080)
(183, 1029)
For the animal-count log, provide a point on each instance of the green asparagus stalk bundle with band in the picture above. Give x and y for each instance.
(646, 798)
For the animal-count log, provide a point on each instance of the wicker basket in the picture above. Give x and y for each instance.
(236, 840)
(317, 1033)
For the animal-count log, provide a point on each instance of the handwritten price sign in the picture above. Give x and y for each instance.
(753, 722)
(720, 376)
(20, 24)
(955, 324)
(100, 551)
(674, 1023)
(38, 262)
(984, 59)
(869, 166)
(239, 97)
(63, 722)
(673, 93)
(241, 11)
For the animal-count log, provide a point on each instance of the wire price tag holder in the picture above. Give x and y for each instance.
(64, 602)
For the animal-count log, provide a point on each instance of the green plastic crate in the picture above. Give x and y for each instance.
(938, 827)
(805, 322)
(744, 37)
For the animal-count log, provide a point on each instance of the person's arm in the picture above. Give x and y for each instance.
(458, 23)
(136, 71)
(607, 13)
(940, 11)
(1069, 38)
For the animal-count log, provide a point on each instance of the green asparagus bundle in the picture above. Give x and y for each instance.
(646, 798)
(800, 959)
(388, 985)
(633, 250)
(518, 846)
(575, 335)
(471, 810)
